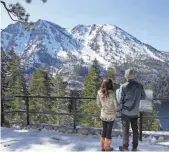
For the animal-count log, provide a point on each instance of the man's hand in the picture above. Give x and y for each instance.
(118, 114)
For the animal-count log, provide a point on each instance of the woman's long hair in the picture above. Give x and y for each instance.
(107, 85)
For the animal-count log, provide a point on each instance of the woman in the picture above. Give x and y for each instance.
(107, 102)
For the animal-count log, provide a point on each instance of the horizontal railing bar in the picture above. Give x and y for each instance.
(14, 122)
(57, 97)
(57, 113)
(77, 114)
(15, 111)
(156, 117)
(50, 112)
(161, 99)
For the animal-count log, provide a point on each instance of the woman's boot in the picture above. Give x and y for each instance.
(107, 145)
(102, 142)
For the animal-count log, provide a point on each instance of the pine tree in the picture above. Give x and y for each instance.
(161, 85)
(4, 74)
(17, 84)
(59, 86)
(111, 73)
(40, 85)
(151, 124)
(17, 79)
(93, 80)
(4, 83)
(91, 86)
(75, 93)
(60, 105)
(75, 102)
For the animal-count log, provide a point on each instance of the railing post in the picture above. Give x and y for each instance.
(74, 114)
(141, 125)
(2, 112)
(27, 110)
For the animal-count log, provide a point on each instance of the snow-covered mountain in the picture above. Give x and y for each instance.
(51, 45)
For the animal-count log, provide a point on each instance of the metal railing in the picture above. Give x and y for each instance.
(74, 112)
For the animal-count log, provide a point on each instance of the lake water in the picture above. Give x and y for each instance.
(163, 111)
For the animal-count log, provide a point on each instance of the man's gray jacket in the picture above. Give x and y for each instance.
(129, 96)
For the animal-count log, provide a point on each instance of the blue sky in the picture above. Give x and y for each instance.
(148, 20)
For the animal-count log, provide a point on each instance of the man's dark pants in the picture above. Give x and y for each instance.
(126, 120)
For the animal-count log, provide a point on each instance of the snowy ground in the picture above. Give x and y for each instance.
(52, 141)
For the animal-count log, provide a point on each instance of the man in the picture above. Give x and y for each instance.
(128, 108)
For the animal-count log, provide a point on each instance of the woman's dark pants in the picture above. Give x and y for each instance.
(107, 129)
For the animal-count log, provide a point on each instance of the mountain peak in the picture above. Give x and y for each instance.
(49, 41)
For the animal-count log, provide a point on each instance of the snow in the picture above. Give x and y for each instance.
(156, 133)
(44, 140)
(62, 54)
(108, 27)
(164, 143)
(114, 44)
(152, 54)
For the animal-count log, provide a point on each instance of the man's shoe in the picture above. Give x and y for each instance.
(135, 145)
(122, 148)
(134, 149)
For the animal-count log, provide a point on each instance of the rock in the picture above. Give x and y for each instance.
(92, 131)
(47, 127)
(63, 130)
(166, 137)
(145, 135)
(69, 131)
(161, 138)
(55, 138)
(55, 128)
(153, 140)
(34, 127)
(83, 131)
(98, 132)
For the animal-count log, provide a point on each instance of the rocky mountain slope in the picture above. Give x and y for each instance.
(50, 45)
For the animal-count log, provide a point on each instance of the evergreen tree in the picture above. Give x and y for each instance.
(4, 83)
(59, 86)
(93, 80)
(17, 81)
(75, 102)
(111, 73)
(75, 93)
(91, 86)
(17, 84)
(161, 85)
(59, 105)
(40, 85)
(151, 124)
(4, 74)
